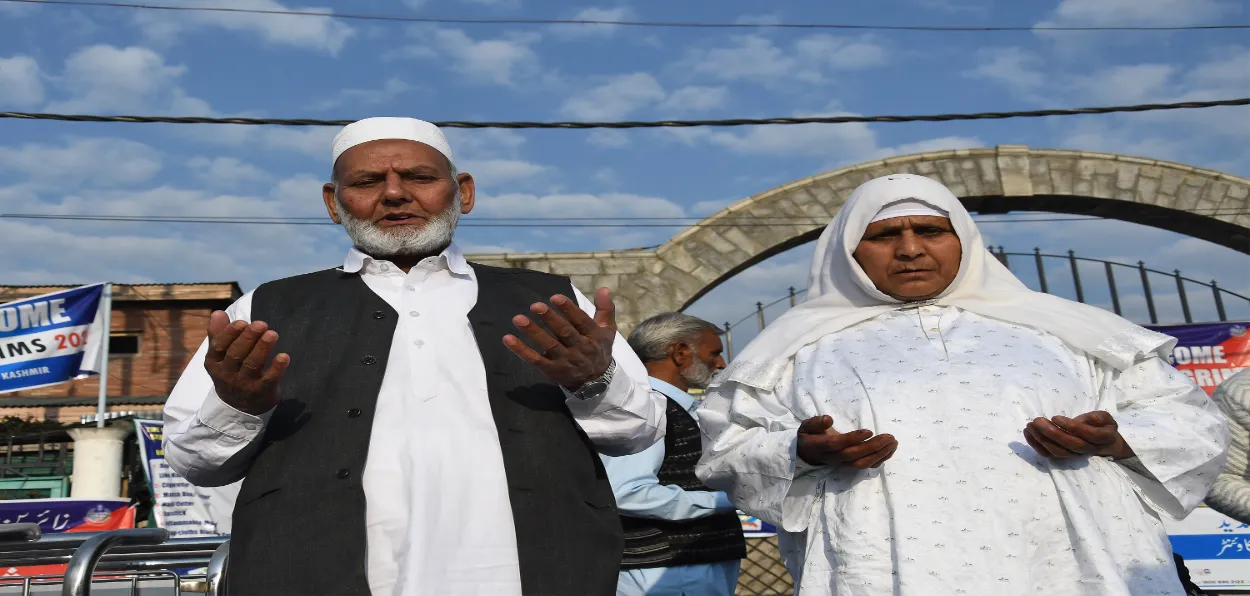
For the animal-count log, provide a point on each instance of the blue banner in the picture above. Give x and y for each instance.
(56, 516)
(51, 338)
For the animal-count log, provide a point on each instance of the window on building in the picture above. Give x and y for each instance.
(123, 345)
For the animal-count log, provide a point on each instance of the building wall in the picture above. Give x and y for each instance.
(169, 334)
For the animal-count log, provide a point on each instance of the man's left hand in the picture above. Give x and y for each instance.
(581, 349)
(1093, 433)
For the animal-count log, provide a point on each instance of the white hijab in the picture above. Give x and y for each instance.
(840, 294)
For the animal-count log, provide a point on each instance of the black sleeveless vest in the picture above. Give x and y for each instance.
(299, 520)
(663, 543)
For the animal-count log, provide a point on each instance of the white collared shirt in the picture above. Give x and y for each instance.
(438, 516)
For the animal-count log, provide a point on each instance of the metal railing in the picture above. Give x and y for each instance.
(112, 563)
(1039, 259)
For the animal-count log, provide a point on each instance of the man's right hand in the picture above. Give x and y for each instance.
(236, 361)
(820, 445)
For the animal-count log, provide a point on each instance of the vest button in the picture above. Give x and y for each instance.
(377, 314)
(344, 473)
(369, 360)
(353, 413)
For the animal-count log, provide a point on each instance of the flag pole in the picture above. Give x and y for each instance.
(107, 299)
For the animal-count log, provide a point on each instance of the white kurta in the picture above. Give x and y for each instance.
(438, 517)
(965, 506)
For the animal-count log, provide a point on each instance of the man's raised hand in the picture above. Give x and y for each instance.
(820, 445)
(580, 350)
(236, 361)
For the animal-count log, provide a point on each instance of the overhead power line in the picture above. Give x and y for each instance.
(622, 23)
(1150, 107)
(537, 222)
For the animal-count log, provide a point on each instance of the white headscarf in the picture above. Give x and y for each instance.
(840, 294)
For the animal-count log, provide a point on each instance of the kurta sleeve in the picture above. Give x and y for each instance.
(1176, 431)
(749, 451)
(1231, 493)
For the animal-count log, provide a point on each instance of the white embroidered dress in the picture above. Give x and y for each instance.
(965, 506)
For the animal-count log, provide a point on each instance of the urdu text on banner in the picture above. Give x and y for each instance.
(51, 338)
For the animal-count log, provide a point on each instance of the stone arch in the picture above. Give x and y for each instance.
(1162, 194)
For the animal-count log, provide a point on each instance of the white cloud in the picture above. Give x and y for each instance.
(21, 83)
(608, 138)
(226, 172)
(619, 13)
(758, 19)
(578, 205)
(104, 78)
(835, 141)
(938, 144)
(317, 33)
(356, 98)
(1095, 13)
(314, 141)
(1016, 69)
(98, 161)
(495, 171)
(695, 98)
(503, 61)
(616, 98)
(757, 59)
(1127, 84)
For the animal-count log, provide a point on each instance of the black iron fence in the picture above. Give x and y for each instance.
(1189, 293)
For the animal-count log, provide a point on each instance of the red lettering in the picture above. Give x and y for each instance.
(61, 340)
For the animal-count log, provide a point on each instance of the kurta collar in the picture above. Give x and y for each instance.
(451, 258)
(682, 398)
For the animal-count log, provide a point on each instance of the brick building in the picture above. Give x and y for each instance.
(156, 329)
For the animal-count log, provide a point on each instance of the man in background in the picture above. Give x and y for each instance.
(681, 537)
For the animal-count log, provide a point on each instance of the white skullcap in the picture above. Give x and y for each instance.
(377, 129)
(907, 207)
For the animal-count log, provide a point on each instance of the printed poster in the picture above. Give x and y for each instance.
(187, 511)
(51, 338)
(56, 516)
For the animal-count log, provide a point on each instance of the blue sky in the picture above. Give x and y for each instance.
(112, 61)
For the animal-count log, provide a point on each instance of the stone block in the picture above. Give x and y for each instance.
(971, 181)
(576, 266)
(1151, 172)
(1170, 181)
(1215, 193)
(1187, 197)
(712, 263)
(1147, 190)
(742, 240)
(1238, 191)
(1083, 187)
(1126, 176)
(926, 168)
(624, 265)
(542, 265)
(1085, 168)
(1104, 186)
(1125, 195)
(677, 256)
(584, 283)
(1165, 200)
(1106, 166)
(612, 282)
(1039, 178)
(1061, 179)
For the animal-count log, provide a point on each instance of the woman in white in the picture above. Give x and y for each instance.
(925, 424)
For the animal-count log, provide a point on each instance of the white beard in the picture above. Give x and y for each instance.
(698, 374)
(402, 241)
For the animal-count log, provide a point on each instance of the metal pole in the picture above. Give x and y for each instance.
(759, 314)
(1076, 277)
(1041, 269)
(1145, 284)
(729, 340)
(216, 574)
(82, 564)
(101, 406)
(793, 299)
(1002, 256)
(1219, 301)
(1180, 291)
(1115, 296)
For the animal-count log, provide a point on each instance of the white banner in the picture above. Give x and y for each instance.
(51, 338)
(1216, 549)
(182, 508)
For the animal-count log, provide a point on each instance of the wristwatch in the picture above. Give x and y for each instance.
(597, 387)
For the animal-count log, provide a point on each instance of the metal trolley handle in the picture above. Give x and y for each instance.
(216, 576)
(82, 565)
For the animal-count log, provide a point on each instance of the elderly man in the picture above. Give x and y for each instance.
(401, 443)
(680, 536)
(926, 424)
(1231, 493)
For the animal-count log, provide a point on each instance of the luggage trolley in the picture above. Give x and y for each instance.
(139, 562)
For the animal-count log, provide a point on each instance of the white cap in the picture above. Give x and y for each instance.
(376, 129)
(908, 207)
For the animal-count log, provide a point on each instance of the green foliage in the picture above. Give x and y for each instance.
(12, 426)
